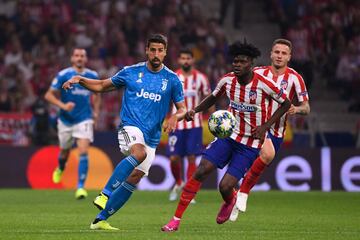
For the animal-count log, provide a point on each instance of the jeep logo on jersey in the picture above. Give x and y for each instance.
(152, 96)
(164, 84)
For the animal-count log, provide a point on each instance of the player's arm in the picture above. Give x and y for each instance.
(205, 104)
(93, 85)
(51, 97)
(170, 124)
(302, 109)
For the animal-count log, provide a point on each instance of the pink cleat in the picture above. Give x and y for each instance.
(225, 211)
(172, 226)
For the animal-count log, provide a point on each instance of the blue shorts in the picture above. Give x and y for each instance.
(276, 141)
(237, 156)
(185, 142)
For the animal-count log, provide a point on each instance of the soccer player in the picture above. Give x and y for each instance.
(291, 82)
(249, 94)
(76, 118)
(187, 138)
(149, 89)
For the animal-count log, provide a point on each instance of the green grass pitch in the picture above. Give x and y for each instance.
(30, 214)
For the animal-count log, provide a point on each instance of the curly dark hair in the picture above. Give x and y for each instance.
(244, 48)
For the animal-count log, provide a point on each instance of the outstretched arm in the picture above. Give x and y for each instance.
(104, 85)
(170, 124)
(205, 104)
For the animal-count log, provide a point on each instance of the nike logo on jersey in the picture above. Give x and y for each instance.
(152, 96)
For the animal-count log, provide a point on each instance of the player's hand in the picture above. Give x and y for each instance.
(292, 110)
(170, 125)
(189, 115)
(69, 106)
(259, 132)
(68, 84)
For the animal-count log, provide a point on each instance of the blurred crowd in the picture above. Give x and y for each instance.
(37, 37)
(326, 36)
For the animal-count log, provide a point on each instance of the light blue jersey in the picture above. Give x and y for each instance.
(78, 95)
(147, 98)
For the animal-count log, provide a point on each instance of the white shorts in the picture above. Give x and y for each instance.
(67, 134)
(128, 136)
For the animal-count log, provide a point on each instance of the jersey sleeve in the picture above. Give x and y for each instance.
(275, 91)
(119, 79)
(177, 92)
(220, 88)
(300, 89)
(57, 82)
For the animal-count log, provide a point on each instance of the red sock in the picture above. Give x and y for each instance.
(191, 169)
(188, 193)
(176, 171)
(252, 176)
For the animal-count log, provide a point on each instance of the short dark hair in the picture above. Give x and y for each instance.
(186, 51)
(157, 38)
(282, 41)
(244, 48)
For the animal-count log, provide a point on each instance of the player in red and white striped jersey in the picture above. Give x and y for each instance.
(249, 94)
(291, 82)
(187, 138)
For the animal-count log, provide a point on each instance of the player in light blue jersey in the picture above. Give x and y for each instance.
(149, 89)
(76, 117)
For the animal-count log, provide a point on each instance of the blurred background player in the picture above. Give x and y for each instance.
(187, 139)
(149, 89)
(291, 82)
(249, 94)
(76, 118)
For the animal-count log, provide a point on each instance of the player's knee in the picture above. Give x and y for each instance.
(267, 155)
(203, 170)
(139, 152)
(175, 159)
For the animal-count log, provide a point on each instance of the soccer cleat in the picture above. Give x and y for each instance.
(102, 225)
(241, 201)
(234, 214)
(171, 226)
(176, 191)
(192, 201)
(81, 193)
(56, 177)
(225, 211)
(100, 201)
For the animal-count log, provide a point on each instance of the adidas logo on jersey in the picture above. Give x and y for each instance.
(152, 96)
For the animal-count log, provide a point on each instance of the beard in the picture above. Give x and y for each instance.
(186, 68)
(155, 64)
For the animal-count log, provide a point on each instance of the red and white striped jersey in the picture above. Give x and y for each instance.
(249, 104)
(195, 87)
(292, 83)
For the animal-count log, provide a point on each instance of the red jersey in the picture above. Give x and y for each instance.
(292, 83)
(195, 86)
(249, 104)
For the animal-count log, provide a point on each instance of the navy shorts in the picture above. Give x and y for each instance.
(185, 142)
(276, 141)
(227, 151)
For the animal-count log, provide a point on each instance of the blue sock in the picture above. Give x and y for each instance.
(120, 174)
(118, 198)
(82, 170)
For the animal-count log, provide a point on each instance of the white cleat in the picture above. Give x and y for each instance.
(192, 201)
(241, 201)
(176, 191)
(234, 214)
